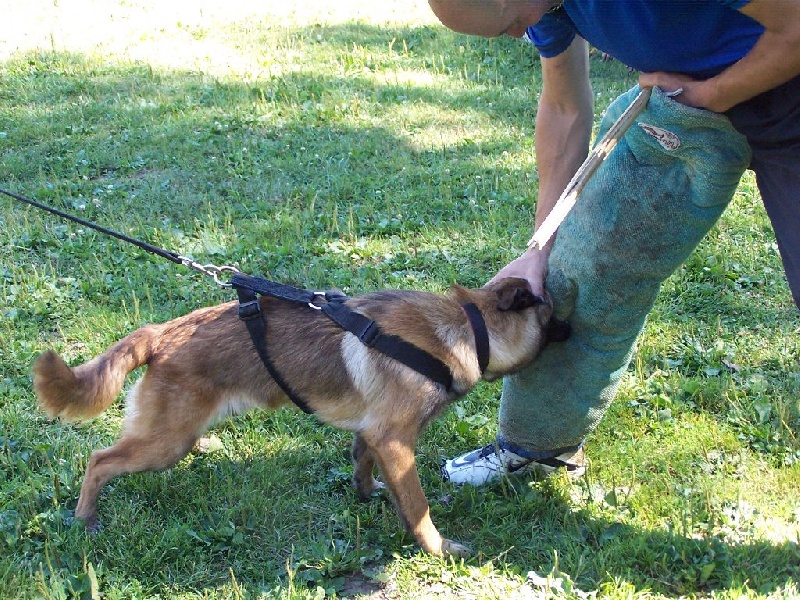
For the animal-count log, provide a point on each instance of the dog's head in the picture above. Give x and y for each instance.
(520, 323)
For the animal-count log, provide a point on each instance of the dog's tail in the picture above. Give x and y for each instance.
(87, 390)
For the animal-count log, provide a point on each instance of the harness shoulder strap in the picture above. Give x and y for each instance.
(366, 330)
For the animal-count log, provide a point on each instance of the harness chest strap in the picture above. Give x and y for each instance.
(250, 313)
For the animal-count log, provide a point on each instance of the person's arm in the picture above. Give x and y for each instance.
(563, 130)
(775, 59)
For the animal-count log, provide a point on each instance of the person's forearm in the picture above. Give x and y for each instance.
(562, 143)
(563, 130)
(775, 59)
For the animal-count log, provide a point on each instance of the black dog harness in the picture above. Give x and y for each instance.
(362, 327)
(365, 329)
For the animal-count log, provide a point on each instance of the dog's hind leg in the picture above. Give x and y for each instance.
(363, 469)
(156, 435)
(128, 455)
(397, 464)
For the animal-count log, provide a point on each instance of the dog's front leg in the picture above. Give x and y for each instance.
(363, 469)
(398, 466)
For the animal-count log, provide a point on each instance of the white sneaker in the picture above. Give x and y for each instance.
(490, 463)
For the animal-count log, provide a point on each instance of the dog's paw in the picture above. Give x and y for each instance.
(451, 548)
(95, 527)
(90, 524)
(207, 445)
(368, 489)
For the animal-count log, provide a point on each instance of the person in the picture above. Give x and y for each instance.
(740, 58)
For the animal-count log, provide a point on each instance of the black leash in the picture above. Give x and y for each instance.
(171, 256)
(209, 270)
(248, 288)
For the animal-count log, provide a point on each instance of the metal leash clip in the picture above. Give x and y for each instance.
(210, 270)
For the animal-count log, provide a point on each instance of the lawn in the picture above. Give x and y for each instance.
(357, 145)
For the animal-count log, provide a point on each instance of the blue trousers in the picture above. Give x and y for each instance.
(771, 124)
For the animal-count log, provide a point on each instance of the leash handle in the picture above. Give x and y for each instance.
(584, 173)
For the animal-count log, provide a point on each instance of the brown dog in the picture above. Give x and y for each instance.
(204, 367)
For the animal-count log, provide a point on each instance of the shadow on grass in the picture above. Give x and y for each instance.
(171, 143)
(288, 517)
(535, 528)
(168, 153)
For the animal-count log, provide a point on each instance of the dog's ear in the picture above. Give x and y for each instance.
(516, 294)
(558, 331)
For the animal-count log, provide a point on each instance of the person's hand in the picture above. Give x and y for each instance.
(532, 265)
(696, 93)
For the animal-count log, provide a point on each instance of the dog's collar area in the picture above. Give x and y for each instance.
(364, 328)
(481, 333)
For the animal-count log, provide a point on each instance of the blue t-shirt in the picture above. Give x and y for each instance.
(696, 37)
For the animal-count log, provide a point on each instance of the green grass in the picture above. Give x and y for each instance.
(361, 147)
